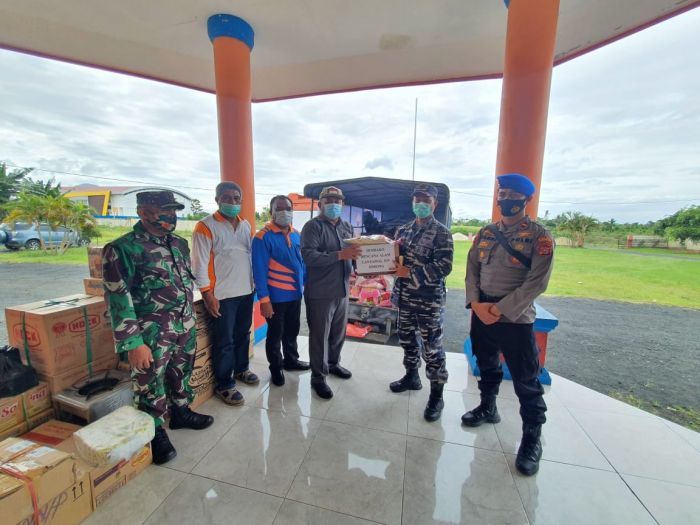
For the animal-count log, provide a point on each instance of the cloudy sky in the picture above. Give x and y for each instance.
(623, 138)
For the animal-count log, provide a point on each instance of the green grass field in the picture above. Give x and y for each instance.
(618, 275)
(613, 275)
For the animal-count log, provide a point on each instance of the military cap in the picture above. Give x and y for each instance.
(331, 191)
(425, 189)
(163, 199)
(516, 182)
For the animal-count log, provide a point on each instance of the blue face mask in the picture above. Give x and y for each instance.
(422, 210)
(230, 210)
(511, 207)
(332, 211)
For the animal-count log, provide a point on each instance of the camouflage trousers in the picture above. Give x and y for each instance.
(420, 333)
(166, 381)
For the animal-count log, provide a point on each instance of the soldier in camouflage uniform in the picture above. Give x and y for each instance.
(508, 266)
(148, 289)
(427, 250)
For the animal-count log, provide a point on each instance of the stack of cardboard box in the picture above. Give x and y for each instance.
(31, 473)
(93, 284)
(102, 481)
(65, 339)
(202, 380)
(25, 411)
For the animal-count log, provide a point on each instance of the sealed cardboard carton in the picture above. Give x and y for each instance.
(205, 333)
(61, 333)
(37, 399)
(17, 430)
(52, 433)
(105, 481)
(61, 488)
(11, 412)
(379, 255)
(95, 261)
(93, 287)
(41, 417)
(202, 379)
(79, 375)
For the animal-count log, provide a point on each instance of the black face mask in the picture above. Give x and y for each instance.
(164, 223)
(511, 207)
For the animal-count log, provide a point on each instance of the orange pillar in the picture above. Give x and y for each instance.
(232, 39)
(527, 74)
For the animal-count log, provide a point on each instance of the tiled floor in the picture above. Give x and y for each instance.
(367, 456)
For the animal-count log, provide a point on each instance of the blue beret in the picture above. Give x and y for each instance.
(516, 182)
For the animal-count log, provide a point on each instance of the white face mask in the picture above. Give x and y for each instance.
(283, 218)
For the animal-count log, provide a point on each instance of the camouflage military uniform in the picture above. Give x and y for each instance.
(427, 250)
(148, 288)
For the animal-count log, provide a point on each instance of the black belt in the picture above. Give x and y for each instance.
(484, 298)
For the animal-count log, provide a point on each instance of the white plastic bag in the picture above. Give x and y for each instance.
(115, 437)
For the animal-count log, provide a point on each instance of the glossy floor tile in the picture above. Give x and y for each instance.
(355, 471)
(262, 451)
(449, 427)
(192, 445)
(369, 403)
(296, 396)
(201, 500)
(642, 446)
(368, 456)
(138, 499)
(563, 439)
(295, 513)
(448, 483)
(669, 503)
(568, 494)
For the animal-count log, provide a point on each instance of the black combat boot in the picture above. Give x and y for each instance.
(162, 448)
(183, 417)
(530, 451)
(433, 409)
(486, 412)
(411, 381)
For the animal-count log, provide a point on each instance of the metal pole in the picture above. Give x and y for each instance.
(415, 127)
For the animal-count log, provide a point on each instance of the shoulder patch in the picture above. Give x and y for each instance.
(545, 245)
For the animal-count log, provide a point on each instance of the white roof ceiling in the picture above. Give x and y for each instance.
(305, 47)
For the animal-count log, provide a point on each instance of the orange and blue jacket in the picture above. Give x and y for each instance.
(278, 269)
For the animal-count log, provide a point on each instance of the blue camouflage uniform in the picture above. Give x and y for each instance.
(427, 250)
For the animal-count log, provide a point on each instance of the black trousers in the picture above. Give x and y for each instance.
(517, 343)
(282, 330)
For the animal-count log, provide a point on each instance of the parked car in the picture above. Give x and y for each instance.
(26, 235)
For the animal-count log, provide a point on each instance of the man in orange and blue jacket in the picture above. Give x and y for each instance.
(279, 273)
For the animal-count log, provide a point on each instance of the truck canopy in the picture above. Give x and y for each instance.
(389, 200)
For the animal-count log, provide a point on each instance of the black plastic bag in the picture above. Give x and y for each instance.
(15, 377)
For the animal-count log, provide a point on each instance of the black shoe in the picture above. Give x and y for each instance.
(183, 417)
(411, 381)
(297, 365)
(342, 373)
(530, 452)
(433, 410)
(277, 376)
(322, 390)
(162, 448)
(486, 412)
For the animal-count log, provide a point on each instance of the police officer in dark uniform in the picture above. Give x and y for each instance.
(508, 266)
(427, 250)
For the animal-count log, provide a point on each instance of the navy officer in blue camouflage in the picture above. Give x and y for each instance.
(508, 266)
(427, 250)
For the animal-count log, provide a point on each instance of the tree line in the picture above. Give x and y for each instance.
(36, 202)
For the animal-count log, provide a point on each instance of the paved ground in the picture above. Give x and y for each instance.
(646, 351)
